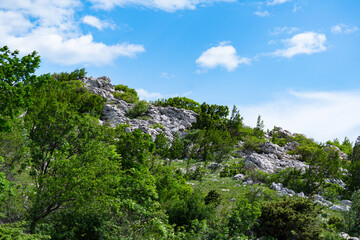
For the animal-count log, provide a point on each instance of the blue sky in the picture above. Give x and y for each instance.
(295, 62)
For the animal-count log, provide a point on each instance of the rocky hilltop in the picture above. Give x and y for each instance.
(167, 120)
(171, 120)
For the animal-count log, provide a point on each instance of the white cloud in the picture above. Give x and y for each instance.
(145, 95)
(320, 115)
(95, 22)
(286, 30)
(343, 28)
(223, 55)
(277, 2)
(166, 75)
(165, 5)
(262, 14)
(49, 28)
(302, 43)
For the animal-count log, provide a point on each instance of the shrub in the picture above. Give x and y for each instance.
(292, 218)
(198, 174)
(128, 94)
(156, 125)
(252, 143)
(213, 198)
(243, 217)
(138, 110)
(189, 208)
(179, 102)
(177, 147)
(162, 145)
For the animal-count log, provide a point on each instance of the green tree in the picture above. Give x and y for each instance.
(354, 178)
(352, 217)
(321, 165)
(135, 148)
(16, 79)
(243, 217)
(70, 161)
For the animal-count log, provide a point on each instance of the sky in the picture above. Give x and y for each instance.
(294, 62)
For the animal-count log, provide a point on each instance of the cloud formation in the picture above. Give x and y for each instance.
(97, 23)
(343, 28)
(320, 115)
(165, 5)
(223, 55)
(286, 30)
(49, 28)
(150, 96)
(277, 2)
(262, 13)
(302, 43)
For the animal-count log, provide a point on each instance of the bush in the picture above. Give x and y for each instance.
(292, 218)
(179, 102)
(233, 169)
(128, 94)
(243, 217)
(191, 207)
(213, 198)
(138, 110)
(252, 143)
(162, 145)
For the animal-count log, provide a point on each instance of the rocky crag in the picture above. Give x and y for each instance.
(171, 120)
(167, 120)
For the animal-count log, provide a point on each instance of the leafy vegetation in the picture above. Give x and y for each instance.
(65, 176)
(125, 93)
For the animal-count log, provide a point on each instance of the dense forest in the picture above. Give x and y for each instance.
(65, 174)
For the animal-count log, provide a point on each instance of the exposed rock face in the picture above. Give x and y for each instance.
(271, 163)
(170, 119)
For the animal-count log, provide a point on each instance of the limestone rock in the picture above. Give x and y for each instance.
(173, 120)
(271, 163)
(239, 177)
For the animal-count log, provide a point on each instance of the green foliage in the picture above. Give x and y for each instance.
(192, 207)
(179, 102)
(321, 165)
(275, 138)
(352, 217)
(213, 198)
(162, 145)
(292, 218)
(69, 158)
(198, 174)
(243, 217)
(156, 125)
(16, 232)
(332, 191)
(235, 124)
(346, 146)
(16, 80)
(353, 183)
(134, 147)
(290, 178)
(211, 117)
(128, 94)
(259, 129)
(252, 143)
(77, 74)
(138, 110)
(177, 147)
(233, 169)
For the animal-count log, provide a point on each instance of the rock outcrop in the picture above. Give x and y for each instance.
(167, 120)
(271, 162)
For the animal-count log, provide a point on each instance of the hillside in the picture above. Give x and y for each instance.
(81, 158)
